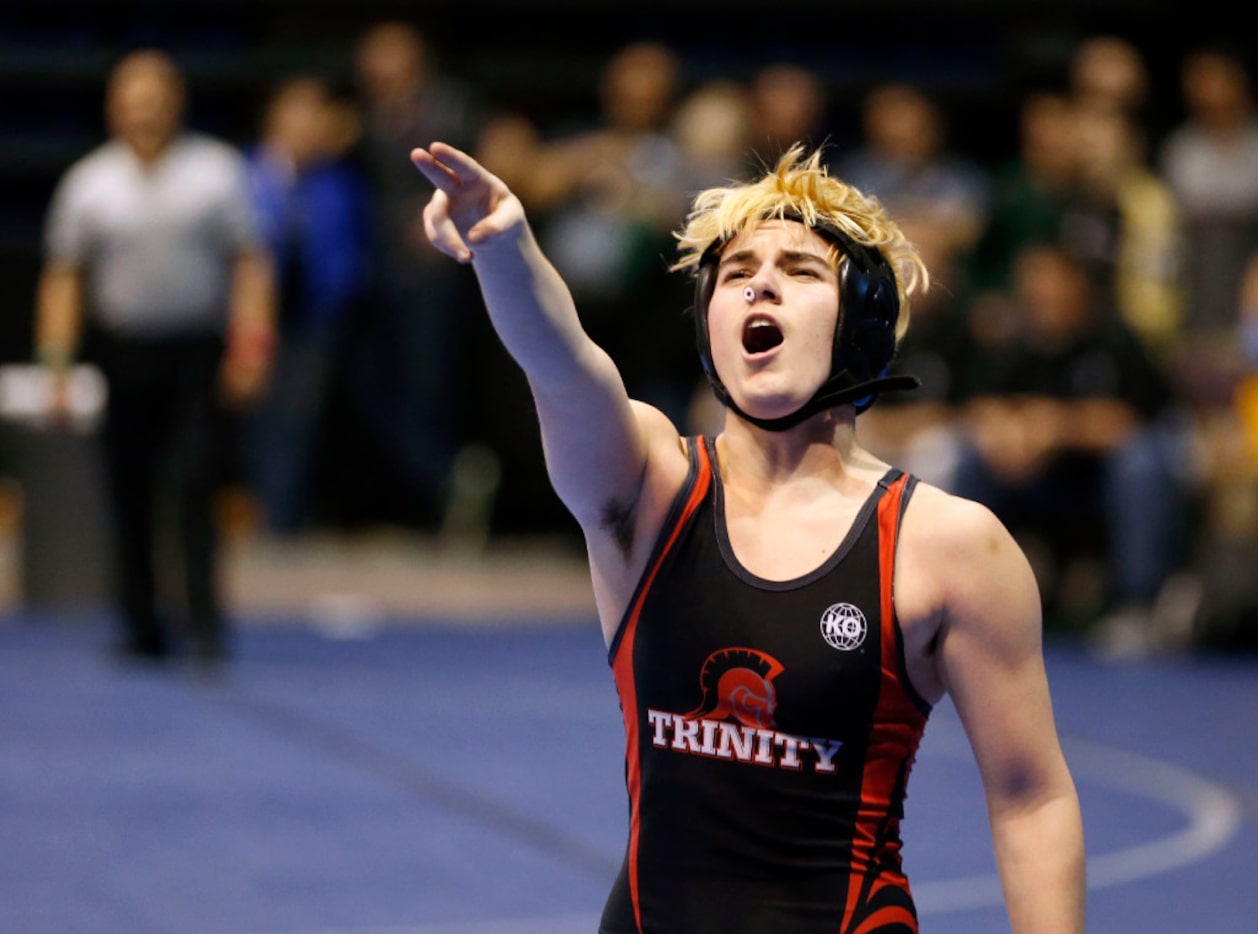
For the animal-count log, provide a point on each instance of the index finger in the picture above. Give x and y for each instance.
(445, 166)
(436, 172)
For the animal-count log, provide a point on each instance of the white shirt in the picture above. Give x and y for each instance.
(157, 241)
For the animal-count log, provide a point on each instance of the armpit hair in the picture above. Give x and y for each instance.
(616, 518)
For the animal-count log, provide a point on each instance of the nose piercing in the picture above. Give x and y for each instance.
(749, 295)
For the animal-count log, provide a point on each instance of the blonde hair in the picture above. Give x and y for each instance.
(799, 186)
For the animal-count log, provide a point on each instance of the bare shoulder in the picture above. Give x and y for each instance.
(968, 563)
(957, 569)
(953, 528)
(667, 460)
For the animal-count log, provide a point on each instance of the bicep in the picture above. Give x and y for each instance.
(598, 445)
(992, 663)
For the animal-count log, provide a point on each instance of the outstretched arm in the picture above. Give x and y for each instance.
(597, 442)
(991, 662)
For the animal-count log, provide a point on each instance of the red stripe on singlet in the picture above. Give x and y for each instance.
(896, 720)
(622, 673)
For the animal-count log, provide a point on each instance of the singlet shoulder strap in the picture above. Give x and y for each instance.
(894, 502)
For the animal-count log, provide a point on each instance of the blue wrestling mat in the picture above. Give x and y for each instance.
(439, 778)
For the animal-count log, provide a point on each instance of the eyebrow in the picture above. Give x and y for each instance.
(789, 256)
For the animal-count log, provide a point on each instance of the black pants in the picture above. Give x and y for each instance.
(162, 443)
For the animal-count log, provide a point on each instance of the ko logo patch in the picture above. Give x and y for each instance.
(843, 626)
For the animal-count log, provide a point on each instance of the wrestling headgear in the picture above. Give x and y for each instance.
(864, 340)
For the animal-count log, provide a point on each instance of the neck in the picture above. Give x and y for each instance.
(824, 443)
(148, 149)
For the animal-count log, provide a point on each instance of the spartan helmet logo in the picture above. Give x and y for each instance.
(738, 685)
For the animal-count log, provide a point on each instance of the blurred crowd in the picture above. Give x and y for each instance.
(1088, 350)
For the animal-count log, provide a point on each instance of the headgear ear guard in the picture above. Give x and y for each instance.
(864, 340)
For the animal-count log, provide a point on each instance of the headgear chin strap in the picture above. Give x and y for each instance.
(864, 339)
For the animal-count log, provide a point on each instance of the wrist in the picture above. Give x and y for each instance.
(54, 357)
(250, 344)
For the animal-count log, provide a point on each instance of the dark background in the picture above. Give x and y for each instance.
(540, 57)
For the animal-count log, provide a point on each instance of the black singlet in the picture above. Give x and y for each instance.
(770, 731)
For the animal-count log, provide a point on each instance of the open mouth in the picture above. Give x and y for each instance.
(760, 335)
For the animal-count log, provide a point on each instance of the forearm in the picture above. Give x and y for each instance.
(58, 316)
(1040, 855)
(251, 325)
(251, 331)
(591, 437)
(594, 449)
(534, 315)
(252, 298)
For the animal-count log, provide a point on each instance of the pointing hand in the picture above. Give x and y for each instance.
(470, 207)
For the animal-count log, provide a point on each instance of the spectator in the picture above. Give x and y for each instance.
(610, 185)
(1123, 220)
(712, 129)
(905, 160)
(1210, 162)
(1227, 544)
(607, 195)
(788, 105)
(1109, 72)
(604, 190)
(153, 260)
(404, 361)
(920, 429)
(315, 211)
(1082, 175)
(1075, 440)
(1029, 193)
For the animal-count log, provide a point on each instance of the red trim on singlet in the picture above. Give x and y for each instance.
(897, 722)
(622, 672)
